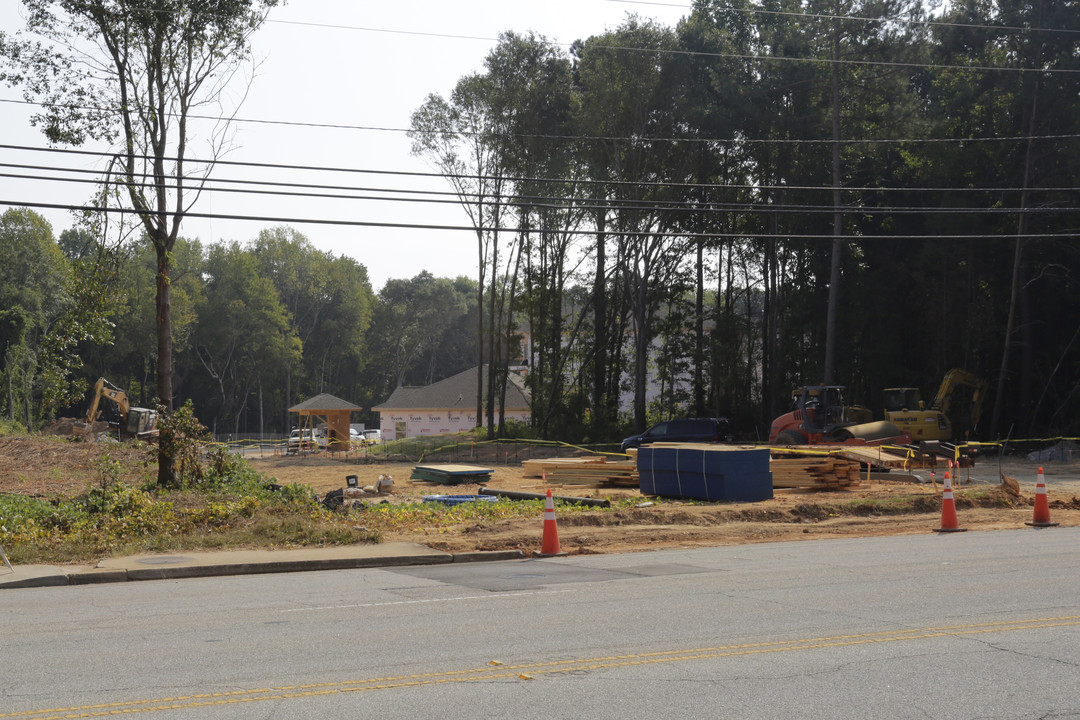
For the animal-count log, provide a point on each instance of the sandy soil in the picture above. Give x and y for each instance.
(48, 466)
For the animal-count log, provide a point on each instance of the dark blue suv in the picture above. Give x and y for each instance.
(705, 430)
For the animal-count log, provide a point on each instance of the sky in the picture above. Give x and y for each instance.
(358, 63)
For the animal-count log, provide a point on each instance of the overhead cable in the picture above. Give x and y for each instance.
(517, 179)
(574, 203)
(589, 138)
(829, 237)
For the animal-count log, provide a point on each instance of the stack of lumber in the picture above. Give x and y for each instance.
(451, 474)
(591, 471)
(824, 473)
(539, 467)
(876, 456)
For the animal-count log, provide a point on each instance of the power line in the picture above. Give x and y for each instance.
(509, 179)
(892, 20)
(587, 138)
(700, 53)
(566, 203)
(829, 237)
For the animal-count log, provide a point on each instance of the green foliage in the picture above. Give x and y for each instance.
(236, 508)
(198, 462)
(243, 335)
(517, 430)
(11, 427)
(329, 304)
(49, 305)
(108, 470)
(415, 324)
(714, 138)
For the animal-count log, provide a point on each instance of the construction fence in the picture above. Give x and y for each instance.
(423, 449)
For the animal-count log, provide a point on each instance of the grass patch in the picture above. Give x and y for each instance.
(436, 517)
(893, 505)
(238, 509)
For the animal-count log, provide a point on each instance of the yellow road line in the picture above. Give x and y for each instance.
(538, 668)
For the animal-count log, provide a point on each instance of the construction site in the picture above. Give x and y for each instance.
(829, 470)
(859, 492)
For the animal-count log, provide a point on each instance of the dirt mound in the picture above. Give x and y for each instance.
(43, 466)
(1009, 486)
(1072, 503)
(77, 428)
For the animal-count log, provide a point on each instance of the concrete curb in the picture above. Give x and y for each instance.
(257, 568)
(30, 576)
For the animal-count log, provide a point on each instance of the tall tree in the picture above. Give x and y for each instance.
(626, 91)
(329, 303)
(467, 142)
(33, 282)
(48, 305)
(412, 317)
(532, 90)
(243, 334)
(134, 71)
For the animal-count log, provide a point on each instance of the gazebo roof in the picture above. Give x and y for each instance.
(324, 402)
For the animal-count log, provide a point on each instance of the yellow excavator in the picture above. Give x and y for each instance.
(134, 421)
(953, 413)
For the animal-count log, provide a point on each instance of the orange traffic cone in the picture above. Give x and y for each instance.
(1041, 518)
(949, 522)
(549, 547)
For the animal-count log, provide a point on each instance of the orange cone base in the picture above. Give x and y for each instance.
(537, 553)
(953, 529)
(1042, 524)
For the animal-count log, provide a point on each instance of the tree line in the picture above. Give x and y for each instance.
(257, 326)
(695, 220)
(668, 221)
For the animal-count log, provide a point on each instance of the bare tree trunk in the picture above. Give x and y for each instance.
(699, 332)
(166, 459)
(504, 363)
(492, 332)
(641, 347)
(1017, 269)
(599, 404)
(480, 330)
(838, 220)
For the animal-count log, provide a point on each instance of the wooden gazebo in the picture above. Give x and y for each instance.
(331, 410)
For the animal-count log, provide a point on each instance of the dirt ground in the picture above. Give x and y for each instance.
(46, 466)
(790, 515)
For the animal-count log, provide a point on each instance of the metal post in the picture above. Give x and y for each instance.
(6, 561)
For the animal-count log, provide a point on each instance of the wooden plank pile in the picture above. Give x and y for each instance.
(538, 467)
(820, 473)
(596, 471)
(873, 456)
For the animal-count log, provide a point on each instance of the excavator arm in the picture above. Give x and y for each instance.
(976, 393)
(104, 389)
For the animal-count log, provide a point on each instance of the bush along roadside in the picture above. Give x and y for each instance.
(120, 519)
(219, 502)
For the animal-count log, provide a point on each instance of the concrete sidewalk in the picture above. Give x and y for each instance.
(238, 562)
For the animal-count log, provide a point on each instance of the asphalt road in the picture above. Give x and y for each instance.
(968, 625)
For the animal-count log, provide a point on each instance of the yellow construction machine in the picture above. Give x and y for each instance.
(821, 416)
(134, 421)
(953, 413)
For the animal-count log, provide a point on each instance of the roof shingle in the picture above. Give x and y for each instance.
(457, 391)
